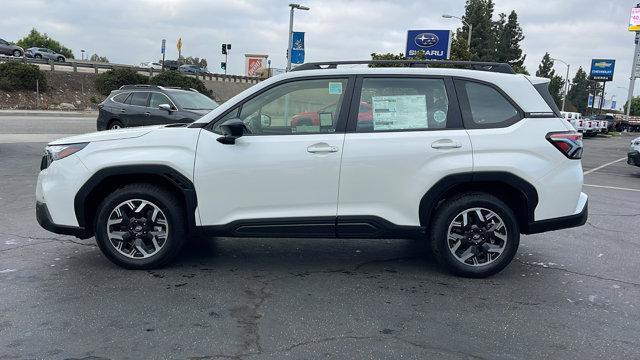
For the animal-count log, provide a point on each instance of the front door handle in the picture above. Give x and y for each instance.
(147, 114)
(123, 110)
(445, 144)
(321, 148)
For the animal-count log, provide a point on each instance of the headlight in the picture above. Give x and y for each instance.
(57, 152)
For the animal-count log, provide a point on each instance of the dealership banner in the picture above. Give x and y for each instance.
(297, 48)
(436, 44)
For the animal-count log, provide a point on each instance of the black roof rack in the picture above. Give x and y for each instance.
(473, 65)
(147, 86)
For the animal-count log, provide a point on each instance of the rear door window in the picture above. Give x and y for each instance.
(139, 98)
(121, 98)
(397, 104)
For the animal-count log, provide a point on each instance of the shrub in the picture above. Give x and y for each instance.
(19, 76)
(176, 79)
(113, 79)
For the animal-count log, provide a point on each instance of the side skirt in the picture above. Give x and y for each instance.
(348, 227)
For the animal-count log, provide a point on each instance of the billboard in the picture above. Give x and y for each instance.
(634, 19)
(602, 69)
(436, 44)
(253, 63)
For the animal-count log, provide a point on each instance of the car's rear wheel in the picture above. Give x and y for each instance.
(114, 125)
(17, 53)
(37, 56)
(60, 59)
(475, 235)
(140, 226)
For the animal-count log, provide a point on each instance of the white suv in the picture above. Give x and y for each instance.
(465, 159)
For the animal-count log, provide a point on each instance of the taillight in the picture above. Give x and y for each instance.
(568, 142)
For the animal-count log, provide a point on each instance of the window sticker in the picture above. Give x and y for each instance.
(439, 116)
(399, 112)
(335, 88)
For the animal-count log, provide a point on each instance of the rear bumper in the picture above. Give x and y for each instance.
(44, 219)
(633, 158)
(564, 222)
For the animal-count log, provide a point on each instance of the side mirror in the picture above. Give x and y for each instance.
(165, 107)
(231, 129)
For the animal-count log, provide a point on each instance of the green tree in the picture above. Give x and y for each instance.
(174, 78)
(459, 48)
(390, 56)
(114, 79)
(98, 58)
(579, 92)
(635, 106)
(479, 14)
(37, 39)
(508, 37)
(545, 69)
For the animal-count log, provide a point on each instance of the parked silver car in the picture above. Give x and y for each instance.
(44, 53)
(7, 48)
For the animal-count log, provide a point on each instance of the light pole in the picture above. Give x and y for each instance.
(447, 16)
(82, 51)
(566, 83)
(293, 7)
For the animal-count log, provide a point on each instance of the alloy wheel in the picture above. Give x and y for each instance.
(137, 228)
(477, 236)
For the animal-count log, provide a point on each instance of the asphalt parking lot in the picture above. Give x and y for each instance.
(571, 294)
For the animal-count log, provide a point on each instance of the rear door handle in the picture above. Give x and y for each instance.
(122, 110)
(321, 148)
(147, 113)
(445, 144)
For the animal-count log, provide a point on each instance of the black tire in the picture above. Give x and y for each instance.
(60, 59)
(37, 56)
(17, 53)
(115, 124)
(446, 214)
(168, 204)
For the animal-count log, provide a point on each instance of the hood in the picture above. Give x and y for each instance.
(199, 112)
(126, 133)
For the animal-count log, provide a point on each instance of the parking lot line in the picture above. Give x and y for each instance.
(602, 166)
(611, 187)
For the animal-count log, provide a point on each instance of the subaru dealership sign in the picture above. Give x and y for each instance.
(436, 44)
(602, 69)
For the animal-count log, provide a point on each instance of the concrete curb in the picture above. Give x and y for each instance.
(49, 113)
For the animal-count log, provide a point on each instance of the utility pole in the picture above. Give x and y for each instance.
(225, 51)
(290, 48)
(566, 83)
(632, 79)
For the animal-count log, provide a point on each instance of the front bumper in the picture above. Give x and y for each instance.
(633, 158)
(564, 222)
(44, 219)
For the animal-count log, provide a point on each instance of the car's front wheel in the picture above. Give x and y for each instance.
(140, 226)
(475, 235)
(17, 53)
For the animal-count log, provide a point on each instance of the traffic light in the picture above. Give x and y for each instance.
(223, 65)
(224, 49)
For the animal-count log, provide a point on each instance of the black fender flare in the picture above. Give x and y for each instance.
(168, 174)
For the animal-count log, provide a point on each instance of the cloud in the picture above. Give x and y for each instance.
(130, 31)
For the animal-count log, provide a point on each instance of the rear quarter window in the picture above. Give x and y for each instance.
(120, 98)
(486, 107)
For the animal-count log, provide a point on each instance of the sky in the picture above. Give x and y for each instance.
(131, 31)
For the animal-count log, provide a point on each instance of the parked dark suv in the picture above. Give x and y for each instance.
(140, 105)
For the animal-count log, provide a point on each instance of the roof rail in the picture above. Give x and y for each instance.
(473, 65)
(147, 86)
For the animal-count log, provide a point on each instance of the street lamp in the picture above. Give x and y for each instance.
(566, 83)
(299, 7)
(447, 16)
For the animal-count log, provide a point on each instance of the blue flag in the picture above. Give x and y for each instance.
(297, 48)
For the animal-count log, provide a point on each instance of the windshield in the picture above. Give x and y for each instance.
(193, 101)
